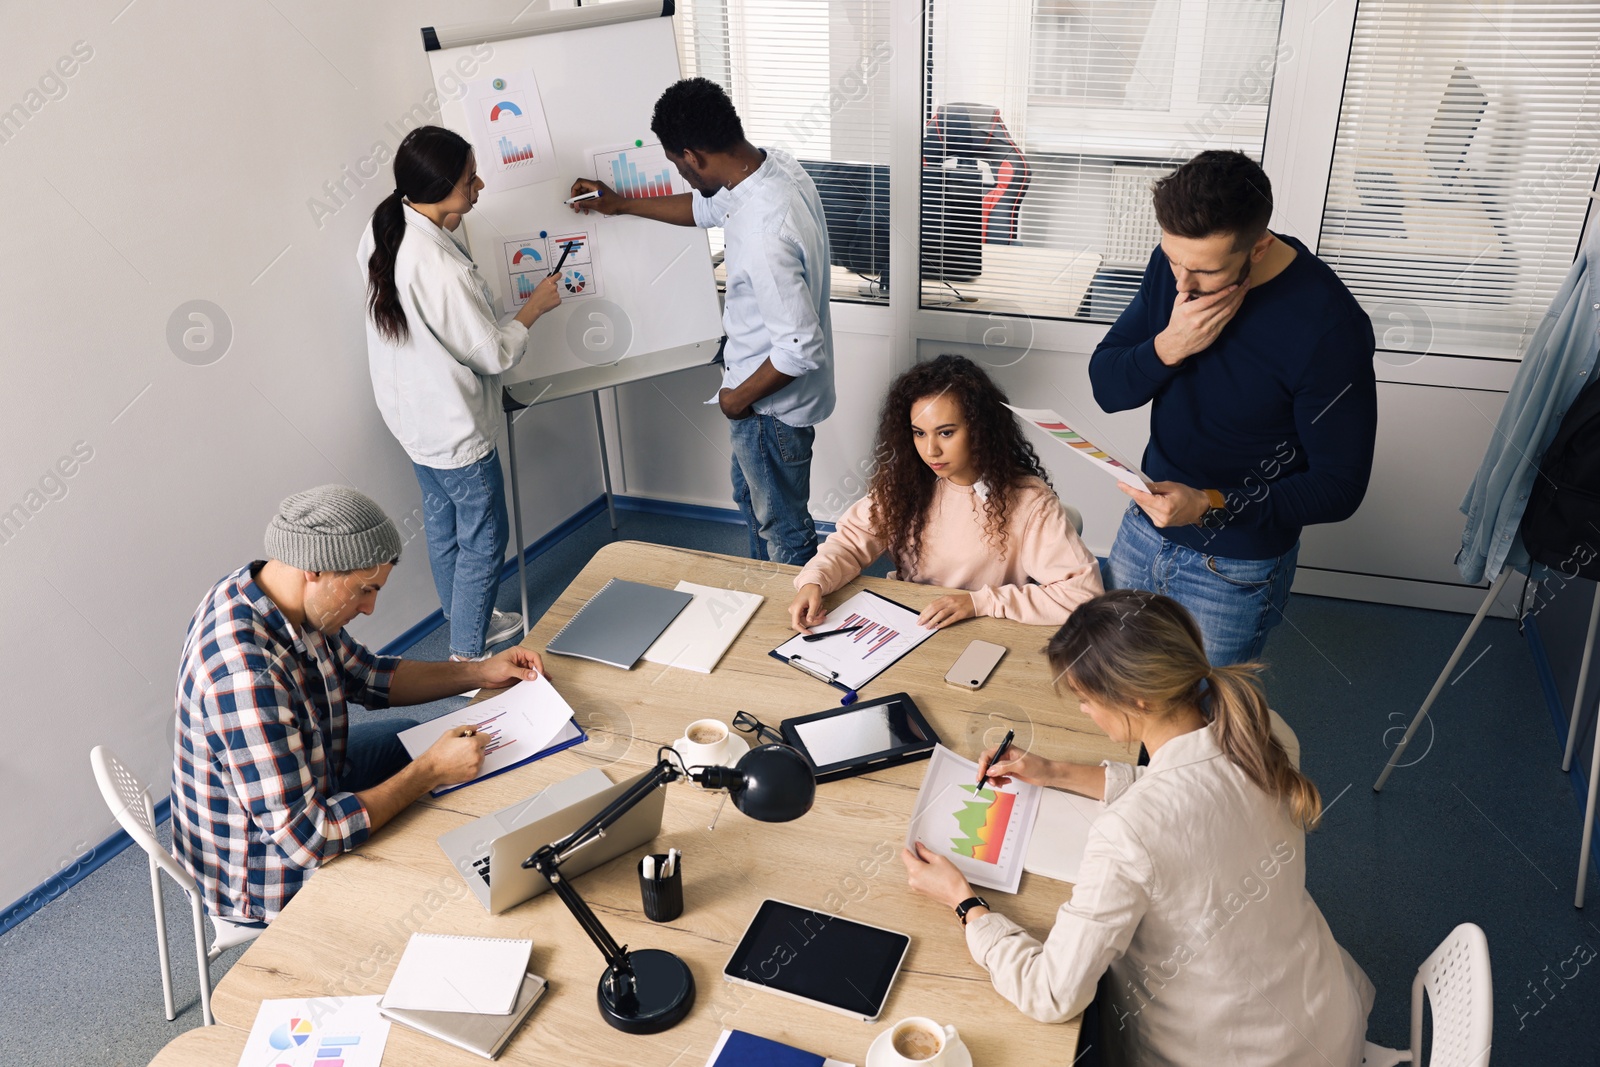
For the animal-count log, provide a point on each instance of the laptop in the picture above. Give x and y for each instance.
(488, 852)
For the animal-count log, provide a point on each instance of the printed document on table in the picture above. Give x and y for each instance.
(522, 722)
(984, 832)
(888, 631)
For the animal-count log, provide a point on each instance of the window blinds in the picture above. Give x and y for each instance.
(1466, 147)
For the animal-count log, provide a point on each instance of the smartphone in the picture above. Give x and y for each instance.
(975, 665)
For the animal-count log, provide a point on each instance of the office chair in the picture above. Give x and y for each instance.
(977, 132)
(129, 801)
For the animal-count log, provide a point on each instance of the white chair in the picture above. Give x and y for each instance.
(1461, 992)
(129, 801)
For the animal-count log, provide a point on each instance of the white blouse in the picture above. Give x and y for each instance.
(1192, 893)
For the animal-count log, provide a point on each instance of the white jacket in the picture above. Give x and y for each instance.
(439, 389)
(1192, 895)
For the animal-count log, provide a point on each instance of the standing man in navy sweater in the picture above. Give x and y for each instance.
(1257, 363)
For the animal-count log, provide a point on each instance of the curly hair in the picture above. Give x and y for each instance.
(903, 484)
(696, 113)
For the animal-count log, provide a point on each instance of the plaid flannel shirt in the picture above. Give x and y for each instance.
(261, 731)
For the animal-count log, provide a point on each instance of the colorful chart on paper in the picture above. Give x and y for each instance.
(984, 832)
(638, 171)
(888, 632)
(323, 1032)
(1058, 428)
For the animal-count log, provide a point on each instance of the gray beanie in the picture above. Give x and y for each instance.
(332, 528)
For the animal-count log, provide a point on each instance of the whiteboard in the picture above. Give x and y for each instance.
(639, 297)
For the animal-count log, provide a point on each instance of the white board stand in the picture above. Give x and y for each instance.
(516, 398)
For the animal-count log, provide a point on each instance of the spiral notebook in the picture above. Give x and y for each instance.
(447, 972)
(619, 622)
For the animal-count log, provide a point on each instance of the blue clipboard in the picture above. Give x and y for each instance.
(832, 677)
(551, 751)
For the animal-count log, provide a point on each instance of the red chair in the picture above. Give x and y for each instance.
(973, 132)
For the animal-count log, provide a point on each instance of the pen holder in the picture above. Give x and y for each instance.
(663, 897)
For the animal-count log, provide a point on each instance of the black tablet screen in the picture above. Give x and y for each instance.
(849, 736)
(820, 957)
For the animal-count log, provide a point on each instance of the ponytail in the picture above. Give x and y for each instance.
(383, 299)
(1238, 709)
(428, 166)
(1129, 648)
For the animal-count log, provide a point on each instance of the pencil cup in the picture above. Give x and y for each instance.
(663, 897)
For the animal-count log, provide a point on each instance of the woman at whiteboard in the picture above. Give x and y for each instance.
(436, 353)
(958, 498)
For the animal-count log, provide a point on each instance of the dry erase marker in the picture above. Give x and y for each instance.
(649, 868)
(568, 248)
(592, 194)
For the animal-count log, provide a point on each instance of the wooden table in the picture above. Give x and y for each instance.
(343, 932)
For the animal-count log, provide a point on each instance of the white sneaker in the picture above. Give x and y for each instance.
(503, 626)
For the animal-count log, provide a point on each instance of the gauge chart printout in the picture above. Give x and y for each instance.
(320, 1032)
(984, 831)
(509, 131)
(886, 632)
(1057, 427)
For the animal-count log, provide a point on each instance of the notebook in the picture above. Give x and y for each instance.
(700, 636)
(619, 623)
(736, 1048)
(485, 1035)
(445, 972)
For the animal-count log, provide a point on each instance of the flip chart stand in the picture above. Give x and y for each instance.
(518, 397)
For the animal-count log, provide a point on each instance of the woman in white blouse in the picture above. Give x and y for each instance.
(436, 352)
(1191, 897)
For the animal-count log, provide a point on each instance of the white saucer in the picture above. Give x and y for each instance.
(737, 747)
(956, 1055)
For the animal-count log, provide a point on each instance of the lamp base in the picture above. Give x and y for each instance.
(662, 994)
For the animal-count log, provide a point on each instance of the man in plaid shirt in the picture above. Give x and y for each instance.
(270, 781)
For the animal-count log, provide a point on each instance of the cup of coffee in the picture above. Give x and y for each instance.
(705, 743)
(919, 1042)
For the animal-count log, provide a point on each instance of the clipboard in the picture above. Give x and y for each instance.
(823, 669)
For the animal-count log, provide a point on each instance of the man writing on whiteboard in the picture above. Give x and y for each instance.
(777, 381)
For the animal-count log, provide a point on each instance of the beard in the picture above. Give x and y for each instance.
(1243, 274)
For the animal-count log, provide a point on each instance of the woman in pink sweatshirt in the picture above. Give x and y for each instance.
(958, 499)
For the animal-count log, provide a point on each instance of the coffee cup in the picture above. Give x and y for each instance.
(705, 743)
(919, 1042)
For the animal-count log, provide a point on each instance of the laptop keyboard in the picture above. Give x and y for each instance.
(482, 867)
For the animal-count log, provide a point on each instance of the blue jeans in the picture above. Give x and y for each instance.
(772, 486)
(464, 514)
(1235, 601)
(373, 754)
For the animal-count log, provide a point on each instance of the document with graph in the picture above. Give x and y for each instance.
(523, 723)
(984, 832)
(877, 633)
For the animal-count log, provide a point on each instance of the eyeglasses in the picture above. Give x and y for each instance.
(748, 723)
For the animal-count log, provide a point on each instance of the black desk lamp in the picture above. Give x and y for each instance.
(651, 990)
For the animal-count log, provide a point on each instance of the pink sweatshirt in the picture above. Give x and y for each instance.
(1040, 545)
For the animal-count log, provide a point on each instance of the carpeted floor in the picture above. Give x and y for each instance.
(1483, 827)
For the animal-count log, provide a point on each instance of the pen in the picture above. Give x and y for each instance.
(672, 863)
(567, 251)
(830, 633)
(983, 775)
(592, 194)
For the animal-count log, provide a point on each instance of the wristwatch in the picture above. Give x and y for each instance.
(967, 905)
(1217, 514)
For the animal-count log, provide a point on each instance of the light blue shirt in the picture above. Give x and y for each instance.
(1558, 364)
(775, 246)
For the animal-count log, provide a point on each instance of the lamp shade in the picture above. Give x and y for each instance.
(770, 783)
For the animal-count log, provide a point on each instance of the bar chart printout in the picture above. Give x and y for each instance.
(638, 172)
(888, 631)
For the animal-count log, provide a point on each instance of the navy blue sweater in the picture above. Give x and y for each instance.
(1280, 413)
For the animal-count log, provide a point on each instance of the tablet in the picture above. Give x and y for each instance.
(863, 737)
(834, 963)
